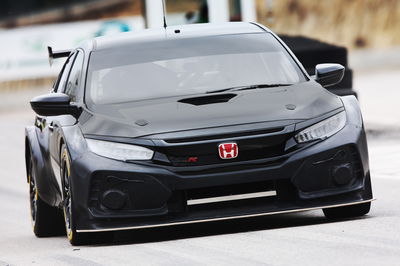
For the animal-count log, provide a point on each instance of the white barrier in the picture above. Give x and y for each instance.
(24, 50)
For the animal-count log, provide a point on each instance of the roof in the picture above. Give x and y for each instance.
(180, 31)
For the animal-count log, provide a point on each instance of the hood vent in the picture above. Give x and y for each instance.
(209, 99)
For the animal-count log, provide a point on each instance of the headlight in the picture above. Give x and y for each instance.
(119, 151)
(323, 129)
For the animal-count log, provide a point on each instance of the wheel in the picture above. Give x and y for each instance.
(347, 211)
(46, 220)
(74, 237)
(352, 210)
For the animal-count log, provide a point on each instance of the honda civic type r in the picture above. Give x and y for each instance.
(191, 124)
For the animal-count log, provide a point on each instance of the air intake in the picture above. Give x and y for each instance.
(209, 99)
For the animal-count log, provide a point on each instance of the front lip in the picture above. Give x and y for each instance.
(224, 218)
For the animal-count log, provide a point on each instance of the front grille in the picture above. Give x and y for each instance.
(197, 152)
(185, 171)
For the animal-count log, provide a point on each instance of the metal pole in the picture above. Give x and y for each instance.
(154, 13)
(248, 10)
(218, 10)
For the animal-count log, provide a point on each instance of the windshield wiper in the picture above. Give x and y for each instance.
(249, 87)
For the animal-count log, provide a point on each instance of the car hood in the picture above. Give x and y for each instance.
(288, 104)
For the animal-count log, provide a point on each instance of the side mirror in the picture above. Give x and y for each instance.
(329, 74)
(53, 104)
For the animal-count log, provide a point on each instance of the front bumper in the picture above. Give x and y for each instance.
(157, 196)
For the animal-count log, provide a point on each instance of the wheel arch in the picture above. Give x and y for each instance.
(27, 157)
(40, 166)
(32, 149)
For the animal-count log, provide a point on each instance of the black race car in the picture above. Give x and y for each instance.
(191, 124)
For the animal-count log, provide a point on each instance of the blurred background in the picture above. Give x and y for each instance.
(363, 35)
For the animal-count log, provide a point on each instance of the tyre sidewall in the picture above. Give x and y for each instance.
(66, 169)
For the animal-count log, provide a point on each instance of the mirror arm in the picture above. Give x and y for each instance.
(75, 110)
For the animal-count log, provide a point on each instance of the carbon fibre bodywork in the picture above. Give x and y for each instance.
(156, 192)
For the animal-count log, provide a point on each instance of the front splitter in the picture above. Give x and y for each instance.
(221, 218)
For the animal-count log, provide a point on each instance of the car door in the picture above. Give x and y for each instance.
(70, 87)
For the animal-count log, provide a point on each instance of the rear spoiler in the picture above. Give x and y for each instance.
(57, 54)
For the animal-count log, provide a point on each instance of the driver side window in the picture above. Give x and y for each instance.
(74, 78)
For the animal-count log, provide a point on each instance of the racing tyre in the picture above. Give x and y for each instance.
(46, 220)
(74, 237)
(347, 211)
(352, 210)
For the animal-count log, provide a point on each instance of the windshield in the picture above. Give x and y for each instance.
(174, 67)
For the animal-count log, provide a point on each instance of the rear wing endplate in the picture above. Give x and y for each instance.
(57, 54)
